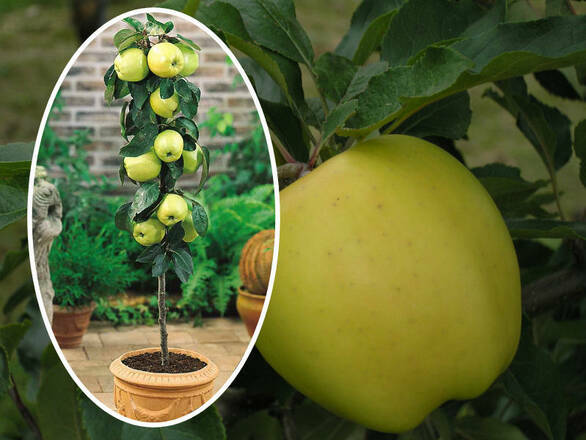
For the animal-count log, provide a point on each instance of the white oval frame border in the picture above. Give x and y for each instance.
(263, 121)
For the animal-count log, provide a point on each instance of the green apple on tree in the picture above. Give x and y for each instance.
(164, 107)
(173, 209)
(189, 228)
(168, 145)
(149, 232)
(131, 65)
(144, 167)
(192, 160)
(190, 59)
(378, 313)
(165, 60)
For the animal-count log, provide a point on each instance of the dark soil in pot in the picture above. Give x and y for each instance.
(151, 362)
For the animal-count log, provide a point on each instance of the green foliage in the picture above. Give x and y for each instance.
(85, 267)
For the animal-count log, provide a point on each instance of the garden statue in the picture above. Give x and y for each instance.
(47, 212)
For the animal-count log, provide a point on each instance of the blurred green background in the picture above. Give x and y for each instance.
(38, 38)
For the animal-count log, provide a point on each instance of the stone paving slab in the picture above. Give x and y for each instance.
(223, 340)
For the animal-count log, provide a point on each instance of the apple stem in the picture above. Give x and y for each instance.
(163, 321)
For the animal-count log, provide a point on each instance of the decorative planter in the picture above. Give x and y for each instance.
(249, 306)
(158, 397)
(256, 260)
(70, 324)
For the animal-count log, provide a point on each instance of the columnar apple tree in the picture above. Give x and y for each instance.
(161, 145)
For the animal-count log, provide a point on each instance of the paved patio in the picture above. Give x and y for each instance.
(223, 340)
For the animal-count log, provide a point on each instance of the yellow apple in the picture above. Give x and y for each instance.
(173, 209)
(144, 167)
(192, 160)
(165, 60)
(189, 229)
(131, 65)
(397, 285)
(190, 59)
(164, 107)
(169, 145)
(149, 232)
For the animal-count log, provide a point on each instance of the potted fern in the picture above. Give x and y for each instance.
(159, 383)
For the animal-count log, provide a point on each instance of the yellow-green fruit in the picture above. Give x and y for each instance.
(168, 145)
(192, 160)
(173, 209)
(189, 229)
(397, 285)
(190, 59)
(149, 232)
(165, 60)
(131, 65)
(144, 167)
(164, 107)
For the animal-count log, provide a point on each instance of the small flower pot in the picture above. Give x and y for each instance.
(159, 397)
(70, 324)
(249, 306)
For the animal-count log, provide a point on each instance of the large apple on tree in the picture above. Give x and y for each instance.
(190, 58)
(141, 168)
(397, 285)
(131, 65)
(165, 60)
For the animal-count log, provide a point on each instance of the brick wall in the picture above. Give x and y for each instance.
(84, 106)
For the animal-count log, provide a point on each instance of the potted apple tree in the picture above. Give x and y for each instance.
(160, 383)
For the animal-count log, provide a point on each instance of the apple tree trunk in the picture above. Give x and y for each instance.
(163, 321)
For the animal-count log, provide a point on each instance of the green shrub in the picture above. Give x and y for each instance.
(85, 267)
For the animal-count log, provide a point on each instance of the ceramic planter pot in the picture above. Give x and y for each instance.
(249, 306)
(159, 397)
(70, 324)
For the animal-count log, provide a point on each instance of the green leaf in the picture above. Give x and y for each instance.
(182, 262)
(139, 92)
(145, 197)
(544, 228)
(556, 83)
(152, 83)
(200, 219)
(558, 7)
(123, 120)
(121, 88)
(258, 425)
(315, 423)
(57, 400)
(98, 424)
(175, 235)
(11, 335)
(205, 168)
(167, 88)
(188, 97)
(124, 38)
(160, 265)
(188, 42)
(536, 384)
(141, 143)
(15, 157)
(122, 218)
(110, 83)
(187, 127)
(508, 50)
(206, 426)
(508, 189)
(334, 74)
(449, 118)
(12, 260)
(14, 174)
(402, 43)
(150, 253)
(137, 25)
(337, 117)
(479, 428)
(369, 25)
(154, 27)
(580, 148)
(144, 117)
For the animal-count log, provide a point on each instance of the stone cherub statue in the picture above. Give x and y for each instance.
(47, 212)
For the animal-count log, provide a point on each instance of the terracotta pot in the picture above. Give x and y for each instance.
(256, 260)
(158, 397)
(70, 324)
(249, 306)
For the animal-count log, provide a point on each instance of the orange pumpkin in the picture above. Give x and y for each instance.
(255, 262)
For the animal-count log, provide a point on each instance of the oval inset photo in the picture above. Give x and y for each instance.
(152, 217)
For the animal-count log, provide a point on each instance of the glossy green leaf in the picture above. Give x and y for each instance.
(167, 88)
(200, 219)
(150, 253)
(337, 117)
(543, 228)
(139, 92)
(186, 126)
(182, 262)
(14, 174)
(146, 195)
(369, 25)
(137, 25)
(141, 143)
(122, 218)
(110, 83)
(160, 265)
(556, 83)
(334, 74)
(580, 148)
(188, 41)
